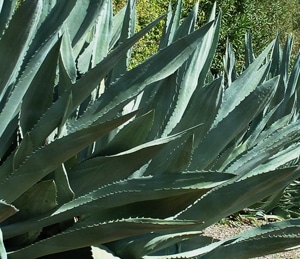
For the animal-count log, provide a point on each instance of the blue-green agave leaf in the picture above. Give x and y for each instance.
(75, 20)
(84, 59)
(47, 7)
(191, 73)
(156, 68)
(258, 128)
(287, 106)
(90, 15)
(7, 9)
(48, 37)
(8, 137)
(6, 210)
(117, 27)
(132, 193)
(245, 84)
(271, 202)
(210, 98)
(249, 53)
(82, 89)
(65, 82)
(171, 25)
(162, 206)
(67, 56)
(141, 189)
(237, 194)
(92, 233)
(103, 33)
(236, 121)
(281, 96)
(163, 101)
(107, 169)
(251, 137)
(50, 26)
(276, 145)
(294, 77)
(181, 159)
(193, 254)
(276, 58)
(39, 95)
(284, 73)
(13, 46)
(67, 111)
(64, 190)
(279, 159)
(46, 159)
(209, 51)
(286, 56)
(131, 135)
(272, 127)
(163, 161)
(189, 23)
(229, 64)
(128, 29)
(23, 151)
(37, 200)
(139, 247)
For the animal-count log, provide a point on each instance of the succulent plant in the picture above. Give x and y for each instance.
(95, 155)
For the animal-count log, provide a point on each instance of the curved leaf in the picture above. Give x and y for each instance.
(81, 90)
(46, 159)
(97, 233)
(119, 196)
(158, 67)
(13, 46)
(236, 121)
(6, 210)
(39, 95)
(237, 194)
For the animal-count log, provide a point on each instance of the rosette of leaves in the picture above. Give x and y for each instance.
(140, 161)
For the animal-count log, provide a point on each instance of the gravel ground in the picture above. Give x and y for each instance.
(223, 231)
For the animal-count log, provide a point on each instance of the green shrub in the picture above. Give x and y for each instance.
(262, 18)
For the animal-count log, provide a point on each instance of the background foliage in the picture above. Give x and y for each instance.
(262, 18)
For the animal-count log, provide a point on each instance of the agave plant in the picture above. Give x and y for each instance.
(95, 155)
